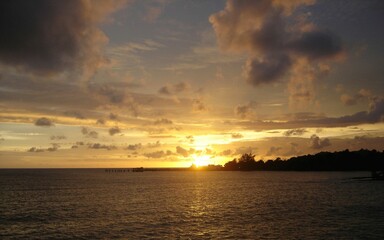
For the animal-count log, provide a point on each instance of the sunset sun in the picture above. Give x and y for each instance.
(202, 160)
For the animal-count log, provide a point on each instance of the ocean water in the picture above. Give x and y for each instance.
(93, 204)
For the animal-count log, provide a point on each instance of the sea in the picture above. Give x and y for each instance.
(95, 204)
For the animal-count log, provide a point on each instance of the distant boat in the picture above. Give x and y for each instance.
(377, 175)
(140, 169)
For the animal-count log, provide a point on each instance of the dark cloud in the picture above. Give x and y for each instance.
(48, 37)
(236, 135)
(198, 105)
(154, 145)
(317, 44)
(101, 146)
(295, 132)
(114, 130)
(317, 143)
(349, 100)
(227, 152)
(163, 121)
(246, 110)
(175, 88)
(165, 90)
(89, 133)
(75, 114)
(100, 121)
(108, 92)
(159, 154)
(263, 71)
(243, 150)
(113, 116)
(134, 147)
(190, 138)
(34, 149)
(44, 122)
(182, 151)
(375, 114)
(274, 39)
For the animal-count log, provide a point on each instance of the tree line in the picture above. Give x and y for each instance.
(361, 160)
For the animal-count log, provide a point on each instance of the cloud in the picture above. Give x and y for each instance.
(349, 100)
(101, 146)
(246, 110)
(159, 154)
(46, 38)
(154, 145)
(198, 105)
(134, 147)
(154, 9)
(317, 143)
(279, 44)
(295, 132)
(293, 151)
(44, 122)
(114, 130)
(58, 137)
(163, 121)
(243, 150)
(227, 152)
(89, 133)
(113, 116)
(190, 139)
(182, 151)
(75, 114)
(100, 121)
(267, 70)
(273, 151)
(34, 149)
(236, 135)
(173, 89)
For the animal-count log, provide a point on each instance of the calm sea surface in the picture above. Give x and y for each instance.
(93, 204)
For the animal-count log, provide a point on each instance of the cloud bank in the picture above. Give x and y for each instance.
(45, 37)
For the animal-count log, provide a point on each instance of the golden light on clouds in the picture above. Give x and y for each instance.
(171, 83)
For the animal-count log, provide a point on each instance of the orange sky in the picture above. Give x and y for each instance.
(163, 83)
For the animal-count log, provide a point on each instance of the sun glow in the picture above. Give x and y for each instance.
(201, 160)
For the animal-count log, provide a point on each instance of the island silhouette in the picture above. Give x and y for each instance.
(361, 160)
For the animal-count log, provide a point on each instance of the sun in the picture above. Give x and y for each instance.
(201, 160)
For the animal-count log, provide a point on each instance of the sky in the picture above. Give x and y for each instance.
(168, 83)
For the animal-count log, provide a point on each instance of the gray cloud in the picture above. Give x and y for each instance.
(182, 151)
(134, 147)
(49, 38)
(317, 143)
(163, 121)
(75, 114)
(295, 132)
(34, 149)
(101, 146)
(198, 105)
(263, 71)
(349, 100)
(175, 88)
(89, 133)
(272, 37)
(44, 122)
(246, 110)
(114, 130)
(236, 135)
(159, 154)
